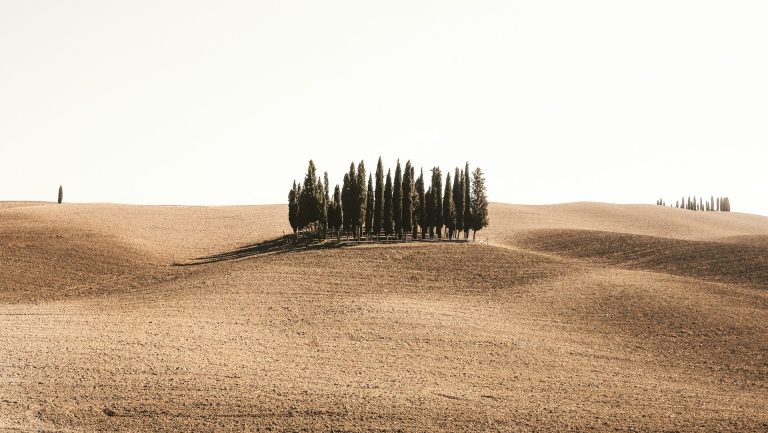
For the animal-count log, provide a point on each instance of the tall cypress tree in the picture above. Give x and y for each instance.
(414, 204)
(449, 209)
(61, 194)
(458, 201)
(354, 203)
(362, 197)
(334, 212)
(479, 202)
(467, 209)
(378, 206)
(309, 204)
(321, 215)
(407, 209)
(397, 200)
(430, 212)
(326, 203)
(387, 221)
(369, 208)
(437, 199)
(293, 209)
(421, 207)
(346, 204)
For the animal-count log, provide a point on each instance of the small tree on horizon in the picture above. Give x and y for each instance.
(61, 194)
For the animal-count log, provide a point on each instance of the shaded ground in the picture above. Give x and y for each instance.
(562, 330)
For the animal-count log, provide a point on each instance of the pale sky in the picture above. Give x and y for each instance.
(224, 102)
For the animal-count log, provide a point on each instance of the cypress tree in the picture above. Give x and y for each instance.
(369, 208)
(397, 200)
(479, 202)
(309, 205)
(414, 204)
(701, 203)
(407, 209)
(326, 203)
(467, 208)
(334, 212)
(437, 198)
(293, 208)
(354, 206)
(430, 211)
(346, 204)
(61, 194)
(387, 220)
(322, 217)
(362, 197)
(449, 209)
(331, 212)
(378, 205)
(421, 208)
(458, 202)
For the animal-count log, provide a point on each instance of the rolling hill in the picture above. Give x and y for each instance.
(573, 317)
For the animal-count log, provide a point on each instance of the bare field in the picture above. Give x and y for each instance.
(576, 317)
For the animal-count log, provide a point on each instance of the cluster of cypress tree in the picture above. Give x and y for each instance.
(402, 207)
(717, 204)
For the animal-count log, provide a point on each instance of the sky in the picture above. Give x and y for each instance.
(224, 102)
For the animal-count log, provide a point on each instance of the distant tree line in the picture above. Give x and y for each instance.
(400, 207)
(716, 204)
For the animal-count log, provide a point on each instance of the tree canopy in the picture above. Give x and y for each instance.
(368, 208)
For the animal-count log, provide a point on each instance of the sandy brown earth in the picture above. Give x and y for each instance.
(576, 317)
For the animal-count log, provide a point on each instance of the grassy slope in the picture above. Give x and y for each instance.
(648, 324)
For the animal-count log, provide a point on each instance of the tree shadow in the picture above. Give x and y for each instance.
(282, 245)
